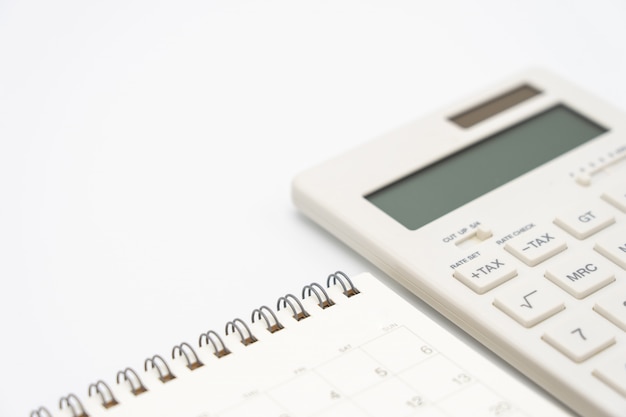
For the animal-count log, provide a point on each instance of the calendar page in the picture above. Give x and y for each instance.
(370, 354)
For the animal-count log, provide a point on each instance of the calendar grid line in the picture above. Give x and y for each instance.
(385, 374)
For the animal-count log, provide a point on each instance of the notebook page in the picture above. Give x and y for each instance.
(371, 354)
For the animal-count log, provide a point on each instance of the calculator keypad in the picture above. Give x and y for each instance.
(546, 292)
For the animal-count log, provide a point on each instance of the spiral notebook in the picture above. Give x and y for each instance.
(344, 347)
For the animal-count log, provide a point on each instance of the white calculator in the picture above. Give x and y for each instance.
(506, 212)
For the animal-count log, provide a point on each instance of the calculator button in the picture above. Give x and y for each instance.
(582, 223)
(613, 308)
(616, 197)
(582, 338)
(581, 275)
(613, 247)
(534, 248)
(530, 304)
(613, 372)
(486, 272)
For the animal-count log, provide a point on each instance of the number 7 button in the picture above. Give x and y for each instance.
(580, 339)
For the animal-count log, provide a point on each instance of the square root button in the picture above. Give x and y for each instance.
(530, 303)
(486, 272)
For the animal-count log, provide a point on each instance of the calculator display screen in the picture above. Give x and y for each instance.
(437, 189)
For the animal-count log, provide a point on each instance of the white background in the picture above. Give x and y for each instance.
(147, 150)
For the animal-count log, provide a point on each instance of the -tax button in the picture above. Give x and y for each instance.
(534, 248)
(486, 272)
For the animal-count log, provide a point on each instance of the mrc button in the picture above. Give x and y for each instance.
(582, 274)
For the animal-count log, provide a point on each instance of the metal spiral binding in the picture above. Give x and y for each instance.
(136, 387)
(195, 364)
(272, 328)
(210, 338)
(103, 390)
(245, 339)
(40, 412)
(163, 376)
(298, 313)
(323, 302)
(73, 406)
(219, 350)
(340, 276)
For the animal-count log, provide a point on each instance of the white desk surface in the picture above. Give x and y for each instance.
(147, 149)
